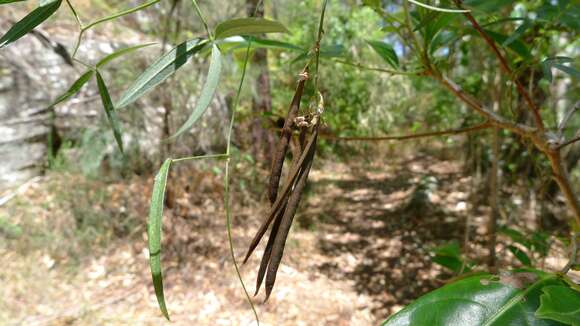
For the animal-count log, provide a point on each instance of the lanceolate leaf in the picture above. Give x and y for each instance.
(160, 70)
(517, 46)
(560, 303)
(3, 2)
(520, 255)
(207, 92)
(437, 8)
(248, 26)
(28, 23)
(110, 110)
(510, 299)
(154, 233)
(119, 53)
(386, 52)
(518, 32)
(75, 88)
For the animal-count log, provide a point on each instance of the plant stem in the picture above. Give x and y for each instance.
(204, 22)
(481, 126)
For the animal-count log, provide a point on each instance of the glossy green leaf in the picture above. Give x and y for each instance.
(121, 52)
(110, 111)
(248, 26)
(516, 236)
(560, 303)
(386, 52)
(29, 22)
(510, 299)
(160, 70)
(207, 92)
(154, 233)
(520, 255)
(75, 88)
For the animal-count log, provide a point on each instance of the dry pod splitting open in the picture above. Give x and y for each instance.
(284, 203)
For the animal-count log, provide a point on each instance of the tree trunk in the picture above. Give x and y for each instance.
(263, 142)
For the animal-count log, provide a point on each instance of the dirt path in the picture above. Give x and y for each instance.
(358, 252)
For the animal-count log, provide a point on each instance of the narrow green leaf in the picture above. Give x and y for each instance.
(248, 26)
(154, 233)
(386, 52)
(120, 52)
(567, 69)
(207, 92)
(75, 88)
(110, 111)
(517, 46)
(3, 2)
(518, 32)
(520, 255)
(28, 23)
(238, 42)
(561, 304)
(164, 67)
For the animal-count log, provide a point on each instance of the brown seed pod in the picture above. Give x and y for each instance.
(282, 147)
(268, 250)
(283, 198)
(286, 222)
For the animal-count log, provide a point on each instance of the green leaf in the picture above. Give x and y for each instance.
(517, 46)
(516, 236)
(510, 299)
(160, 70)
(560, 303)
(3, 2)
(449, 256)
(110, 111)
(119, 53)
(386, 52)
(28, 23)
(518, 32)
(248, 26)
(207, 92)
(154, 233)
(520, 255)
(567, 69)
(548, 63)
(75, 88)
(237, 42)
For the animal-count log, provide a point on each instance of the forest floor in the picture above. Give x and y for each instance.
(360, 249)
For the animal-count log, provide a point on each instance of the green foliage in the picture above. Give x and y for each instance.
(110, 111)
(560, 303)
(449, 256)
(75, 87)
(207, 92)
(510, 299)
(154, 226)
(28, 23)
(160, 70)
(386, 52)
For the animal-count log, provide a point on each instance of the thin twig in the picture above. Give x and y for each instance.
(567, 117)
(570, 142)
(388, 71)
(505, 67)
